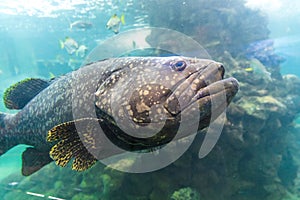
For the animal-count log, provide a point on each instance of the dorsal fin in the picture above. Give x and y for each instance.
(19, 94)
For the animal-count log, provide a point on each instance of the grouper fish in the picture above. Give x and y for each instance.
(83, 115)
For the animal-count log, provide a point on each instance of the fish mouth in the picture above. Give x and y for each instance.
(203, 88)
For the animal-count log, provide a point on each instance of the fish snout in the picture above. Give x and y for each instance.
(231, 86)
(200, 87)
(213, 72)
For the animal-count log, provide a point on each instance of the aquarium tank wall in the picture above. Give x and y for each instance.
(131, 59)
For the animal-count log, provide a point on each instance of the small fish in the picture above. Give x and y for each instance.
(13, 183)
(81, 25)
(133, 44)
(60, 59)
(114, 23)
(51, 75)
(259, 70)
(81, 51)
(74, 63)
(69, 44)
(249, 69)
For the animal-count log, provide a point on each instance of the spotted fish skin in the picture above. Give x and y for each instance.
(111, 92)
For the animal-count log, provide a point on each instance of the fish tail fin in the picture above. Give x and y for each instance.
(61, 44)
(32, 159)
(123, 19)
(2, 124)
(2, 115)
(3, 143)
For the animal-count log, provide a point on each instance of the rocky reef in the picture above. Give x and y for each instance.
(256, 156)
(217, 25)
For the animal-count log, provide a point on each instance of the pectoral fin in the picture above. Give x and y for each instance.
(33, 160)
(70, 145)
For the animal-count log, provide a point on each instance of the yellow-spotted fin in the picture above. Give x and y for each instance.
(70, 145)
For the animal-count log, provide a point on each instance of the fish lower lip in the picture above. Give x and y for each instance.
(216, 87)
(228, 87)
(221, 92)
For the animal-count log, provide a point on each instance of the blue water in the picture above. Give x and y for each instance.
(30, 47)
(30, 39)
(283, 24)
(29, 42)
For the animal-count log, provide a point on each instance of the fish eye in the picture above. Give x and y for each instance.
(179, 65)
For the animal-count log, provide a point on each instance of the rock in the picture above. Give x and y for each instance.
(261, 106)
(292, 83)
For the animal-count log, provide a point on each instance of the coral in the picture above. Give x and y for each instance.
(185, 194)
(85, 197)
